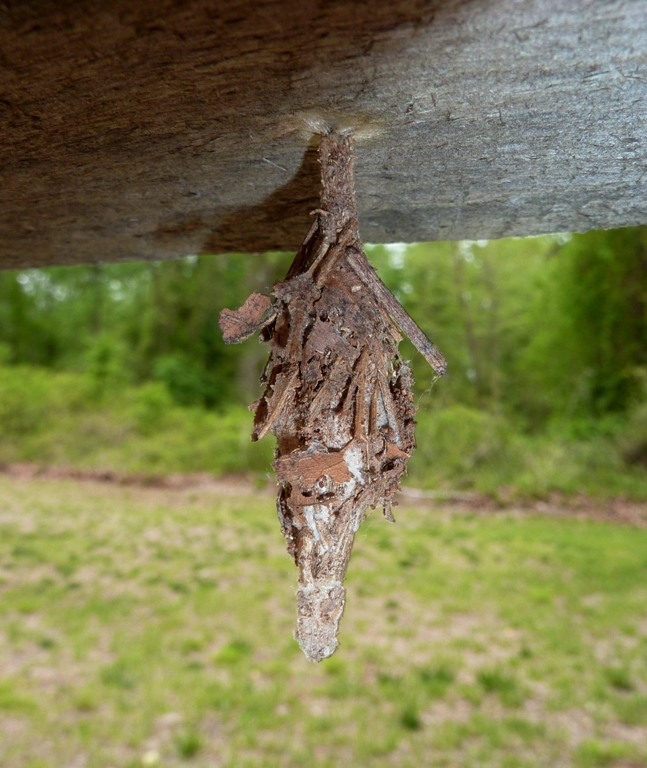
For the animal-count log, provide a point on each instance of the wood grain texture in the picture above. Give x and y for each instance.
(162, 128)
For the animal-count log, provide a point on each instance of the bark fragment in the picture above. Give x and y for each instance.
(245, 322)
(338, 396)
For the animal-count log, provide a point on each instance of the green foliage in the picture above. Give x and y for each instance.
(457, 442)
(233, 652)
(590, 353)
(188, 744)
(594, 754)
(119, 675)
(5, 353)
(32, 399)
(436, 680)
(619, 678)
(136, 322)
(410, 719)
(56, 418)
(631, 710)
(13, 700)
(105, 363)
(184, 379)
(502, 684)
(546, 340)
(151, 406)
(632, 439)
(546, 328)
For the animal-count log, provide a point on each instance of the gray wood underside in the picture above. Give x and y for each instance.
(147, 130)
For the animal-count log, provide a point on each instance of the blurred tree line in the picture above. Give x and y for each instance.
(543, 330)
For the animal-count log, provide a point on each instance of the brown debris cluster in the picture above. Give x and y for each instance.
(337, 395)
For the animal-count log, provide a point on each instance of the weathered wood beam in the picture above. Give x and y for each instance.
(146, 129)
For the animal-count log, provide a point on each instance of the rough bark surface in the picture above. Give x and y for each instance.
(156, 129)
(337, 396)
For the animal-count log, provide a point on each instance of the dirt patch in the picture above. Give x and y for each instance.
(230, 485)
(617, 510)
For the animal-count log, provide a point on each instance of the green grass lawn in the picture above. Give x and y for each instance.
(148, 627)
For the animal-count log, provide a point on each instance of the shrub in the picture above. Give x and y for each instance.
(633, 439)
(183, 378)
(152, 402)
(455, 443)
